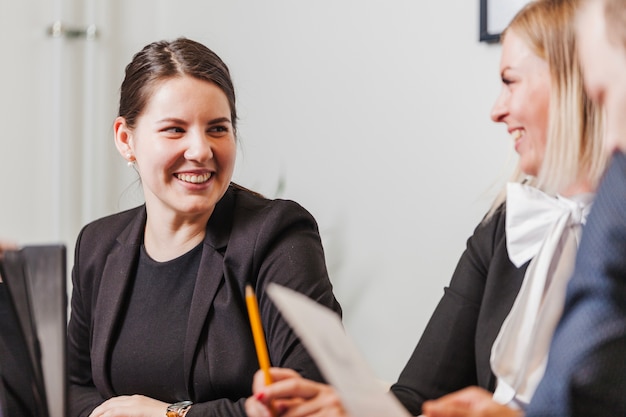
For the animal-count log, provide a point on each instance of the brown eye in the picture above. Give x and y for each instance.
(218, 129)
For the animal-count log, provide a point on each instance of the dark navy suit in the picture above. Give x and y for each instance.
(586, 372)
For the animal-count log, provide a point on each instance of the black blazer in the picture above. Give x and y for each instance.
(249, 239)
(455, 348)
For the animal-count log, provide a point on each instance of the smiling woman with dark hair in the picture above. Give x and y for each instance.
(159, 322)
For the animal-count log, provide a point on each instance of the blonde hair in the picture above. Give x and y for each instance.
(574, 150)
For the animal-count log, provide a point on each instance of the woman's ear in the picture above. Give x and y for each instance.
(123, 136)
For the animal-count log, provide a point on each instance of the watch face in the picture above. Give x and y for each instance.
(173, 410)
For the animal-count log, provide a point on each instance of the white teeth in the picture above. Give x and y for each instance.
(194, 179)
(516, 134)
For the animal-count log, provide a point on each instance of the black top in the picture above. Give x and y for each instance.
(151, 320)
(455, 348)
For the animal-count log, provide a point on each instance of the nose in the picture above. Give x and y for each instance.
(500, 108)
(199, 147)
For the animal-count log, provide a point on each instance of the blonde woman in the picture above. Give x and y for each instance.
(493, 326)
(586, 371)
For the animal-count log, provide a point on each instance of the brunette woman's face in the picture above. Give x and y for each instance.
(183, 145)
(524, 101)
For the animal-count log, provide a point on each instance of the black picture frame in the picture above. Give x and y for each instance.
(495, 16)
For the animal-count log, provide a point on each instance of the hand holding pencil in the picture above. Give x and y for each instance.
(259, 337)
(303, 390)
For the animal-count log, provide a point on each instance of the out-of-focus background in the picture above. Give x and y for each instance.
(372, 114)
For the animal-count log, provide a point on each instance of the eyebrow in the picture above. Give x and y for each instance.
(220, 120)
(181, 121)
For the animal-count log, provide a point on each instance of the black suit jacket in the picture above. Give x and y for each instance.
(586, 371)
(249, 239)
(455, 348)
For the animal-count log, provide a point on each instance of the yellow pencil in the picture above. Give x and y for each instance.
(257, 333)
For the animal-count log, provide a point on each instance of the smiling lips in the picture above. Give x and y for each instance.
(517, 133)
(194, 178)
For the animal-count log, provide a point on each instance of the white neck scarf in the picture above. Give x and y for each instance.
(547, 230)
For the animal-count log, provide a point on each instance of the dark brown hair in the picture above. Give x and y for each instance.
(162, 60)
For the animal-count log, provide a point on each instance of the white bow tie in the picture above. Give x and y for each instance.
(531, 214)
(547, 230)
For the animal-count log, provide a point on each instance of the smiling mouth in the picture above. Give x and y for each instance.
(193, 178)
(516, 134)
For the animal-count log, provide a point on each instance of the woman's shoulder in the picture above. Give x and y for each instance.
(257, 205)
(121, 217)
(253, 213)
(98, 238)
(113, 224)
(491, 231)
(494, 219)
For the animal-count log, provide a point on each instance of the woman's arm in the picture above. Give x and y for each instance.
(82, 393)
(445, 358)
(469, 402)
(289, 252)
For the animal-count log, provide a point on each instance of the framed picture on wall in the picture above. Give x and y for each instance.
(495, 15)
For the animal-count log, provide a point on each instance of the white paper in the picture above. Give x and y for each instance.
(322, 333)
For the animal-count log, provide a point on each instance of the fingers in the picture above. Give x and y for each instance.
(468, 402)
(457, 404)
(278, 374)
(255, 408)
(287, 384)
(465, 397)
(6, 245)
(130, 406)
(292, 396)
(290, 388)
(433, 409)
(324, 403)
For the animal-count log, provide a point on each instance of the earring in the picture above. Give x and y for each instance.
(131, 160)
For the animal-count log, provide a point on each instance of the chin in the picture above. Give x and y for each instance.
(529, 170)
(197, 207)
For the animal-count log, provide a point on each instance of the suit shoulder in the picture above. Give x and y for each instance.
(111, 225)
(490, 234)
(267, 219)
(251, 202)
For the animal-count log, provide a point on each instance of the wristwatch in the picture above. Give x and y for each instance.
(178, 409)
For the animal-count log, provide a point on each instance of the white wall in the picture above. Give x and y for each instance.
(374, 114)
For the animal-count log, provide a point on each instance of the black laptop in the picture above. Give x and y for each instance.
(33, 320)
